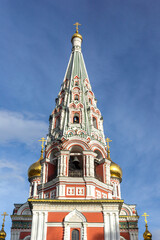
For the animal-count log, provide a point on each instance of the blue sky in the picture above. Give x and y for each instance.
(121, 48)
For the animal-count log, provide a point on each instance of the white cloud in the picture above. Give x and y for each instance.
(156, 234)
(15, 126)
(11, 172)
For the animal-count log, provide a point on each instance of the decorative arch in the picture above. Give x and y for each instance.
(122, 238)
(75, 216)
(75, 220)
(24, 210)
(52, 148)
(27, 238)
(126, 210)
(94, 146)
(68, 145)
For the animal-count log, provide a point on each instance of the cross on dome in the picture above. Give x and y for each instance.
(4, 214)
(43, 140)
(108, 140)
(77, 24)
(145, 216)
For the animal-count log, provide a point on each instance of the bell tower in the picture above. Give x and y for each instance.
(75, 186)
(76, 165)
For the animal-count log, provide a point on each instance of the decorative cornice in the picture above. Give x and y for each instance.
(123, 216)
(74, 201)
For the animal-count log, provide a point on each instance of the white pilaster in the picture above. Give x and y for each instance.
(84, 231)
(117, 226)
(44, 171)
(34, 226)
(106, 226)
(111, 226)
(40, 225)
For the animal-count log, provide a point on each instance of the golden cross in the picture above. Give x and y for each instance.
(42, 140)
(145, 215)
(4, 214)
(108, 141)
(77, 24)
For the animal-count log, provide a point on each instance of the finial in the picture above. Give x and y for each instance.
(108, 147)
(77, 24)
(2, 232)
(43, 140)
(4, 214)
(145, 217)
(146, 235)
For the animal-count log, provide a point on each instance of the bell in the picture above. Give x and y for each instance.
(75, 160)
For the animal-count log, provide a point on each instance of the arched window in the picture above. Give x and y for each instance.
(57, 121)
(76, 118)
(76, 162)
(76, 83)
(95, 122)
(76, 97)
(90, 101)
(75, 234)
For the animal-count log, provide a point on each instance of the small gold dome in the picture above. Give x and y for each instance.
(147, 235)
(35, 169)
(116, 171)
(76, 35)
(2, 234)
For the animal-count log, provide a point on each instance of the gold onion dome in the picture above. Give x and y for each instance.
(35, 169)
(116, 171)
(147, 235)
(76, 35)
(2, 234)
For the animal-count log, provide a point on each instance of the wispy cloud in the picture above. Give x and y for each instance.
(156, 234)
(20, 127)
(11, 171)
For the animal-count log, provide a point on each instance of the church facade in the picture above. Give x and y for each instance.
(75, 191)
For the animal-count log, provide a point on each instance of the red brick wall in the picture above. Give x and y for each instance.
(93, 217)
(55, 233)
(56, 216)
(96, 233)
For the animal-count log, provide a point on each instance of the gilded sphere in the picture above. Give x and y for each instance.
(76, 35)
(116, 171)
(35, 169)
(147, 235)
(2, 234)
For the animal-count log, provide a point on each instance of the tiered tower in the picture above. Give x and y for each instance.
(75, 188)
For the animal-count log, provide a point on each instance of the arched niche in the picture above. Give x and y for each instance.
(52, 165)
(75, 220)
(98, 166)
(76, 161)
(76, 118)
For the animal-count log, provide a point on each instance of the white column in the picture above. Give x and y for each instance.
(117, 226)
(112, 226)
(35, 189)
(66, 232)
(131, 235)
(107, 173)
(30, 189)
(34, 226)
(45, 226)
(87, 166)
(40, 224)
(106, 226)
(84, 231)
(44, 171)
(91, 167)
